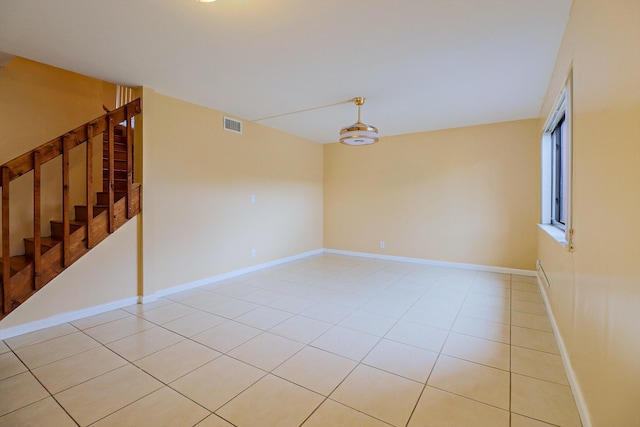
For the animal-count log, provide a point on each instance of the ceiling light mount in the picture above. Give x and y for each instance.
(359, 133)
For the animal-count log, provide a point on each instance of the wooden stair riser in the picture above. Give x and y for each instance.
(118, 185)
(117, 156)
(118, 132)
(118, 137)
(22, 286)
(119, 141)
(118, 175)
(46, 244)
(57, 228)
(118, 165)
(77, 238)
(81, 212)
(119, 153)
(17, 262)
(103, 197)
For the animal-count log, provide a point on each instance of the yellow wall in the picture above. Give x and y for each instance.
(464, 195)
(595, 291)
(198, 220)
(38, 103)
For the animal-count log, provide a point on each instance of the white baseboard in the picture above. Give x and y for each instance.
(581, 404)
(64, 318)
(229, 275)
(435, 263)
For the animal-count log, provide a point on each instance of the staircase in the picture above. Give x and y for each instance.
(118, 201)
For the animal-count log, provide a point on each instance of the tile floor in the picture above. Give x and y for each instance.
(328, 340)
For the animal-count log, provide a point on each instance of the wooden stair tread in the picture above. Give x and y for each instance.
(72, 222)
(57, 227)
(81, 211)
(47, 241)
(116, 147)
(17, 262)
(46, 244)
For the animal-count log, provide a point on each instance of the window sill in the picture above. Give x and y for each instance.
(557, 234)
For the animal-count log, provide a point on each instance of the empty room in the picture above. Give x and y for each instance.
(408, 213)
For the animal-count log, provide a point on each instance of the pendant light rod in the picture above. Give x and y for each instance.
(305, 110)
(359, 102)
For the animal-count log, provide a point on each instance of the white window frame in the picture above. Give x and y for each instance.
(563, 233)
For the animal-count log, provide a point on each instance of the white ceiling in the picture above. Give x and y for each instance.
(421, 64)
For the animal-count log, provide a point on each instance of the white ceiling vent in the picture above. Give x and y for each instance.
(232, 125)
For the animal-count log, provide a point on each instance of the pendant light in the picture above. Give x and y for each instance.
(359, 133)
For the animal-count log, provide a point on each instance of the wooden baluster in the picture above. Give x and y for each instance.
(36, 219)
(66, 245)
(6, 247)
(89, 159)
(110, 130)
(128, 113)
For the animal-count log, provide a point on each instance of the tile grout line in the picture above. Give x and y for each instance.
(43, 386)
(380, 268)
(360, 362)
(426, 382)
(510, 351)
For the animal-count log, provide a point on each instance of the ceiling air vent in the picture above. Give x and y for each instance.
(232, 125)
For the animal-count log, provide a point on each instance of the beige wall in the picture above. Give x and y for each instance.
(464, 195)
(595, 291)
(197, 180)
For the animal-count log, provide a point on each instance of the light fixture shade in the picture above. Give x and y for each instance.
(359, 133)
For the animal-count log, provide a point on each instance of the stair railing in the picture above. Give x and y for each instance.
(61, 146)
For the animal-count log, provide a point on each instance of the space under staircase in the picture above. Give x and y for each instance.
(118, 201)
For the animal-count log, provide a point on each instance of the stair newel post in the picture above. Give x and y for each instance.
(89, 164)
(129, 162)
(66, 229)
(6, 247)
(110, 211)
(36, 219)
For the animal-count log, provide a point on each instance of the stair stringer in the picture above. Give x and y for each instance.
(106, 276)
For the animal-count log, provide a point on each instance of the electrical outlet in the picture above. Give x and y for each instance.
(381, 244)
(253, 253)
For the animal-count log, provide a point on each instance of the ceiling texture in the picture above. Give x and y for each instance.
(421, 64)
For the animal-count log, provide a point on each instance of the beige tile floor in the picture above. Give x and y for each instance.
(328, 340)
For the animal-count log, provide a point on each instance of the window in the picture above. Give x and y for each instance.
(558, 187)
(556, 170)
